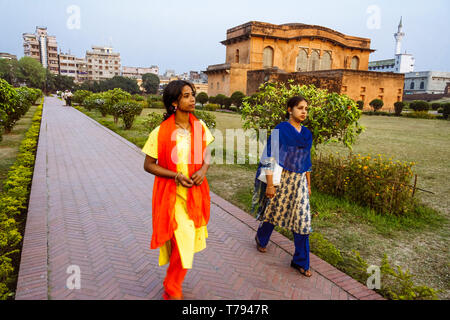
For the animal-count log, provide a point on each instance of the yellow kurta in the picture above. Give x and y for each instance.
(189, 239)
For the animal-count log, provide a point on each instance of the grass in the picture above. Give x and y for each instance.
(417, 242)
(9, 146)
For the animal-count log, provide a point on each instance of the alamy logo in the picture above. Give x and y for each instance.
(74, 280)
(74, 20)
(374, 281)
(374, 20)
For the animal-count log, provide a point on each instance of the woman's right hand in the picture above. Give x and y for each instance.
(270, 192)
(185, 181)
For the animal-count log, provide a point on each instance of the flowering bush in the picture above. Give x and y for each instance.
(381, 184)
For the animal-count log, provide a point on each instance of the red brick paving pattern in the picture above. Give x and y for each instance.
(90, 206)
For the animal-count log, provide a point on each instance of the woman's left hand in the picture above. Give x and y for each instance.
(198, 177)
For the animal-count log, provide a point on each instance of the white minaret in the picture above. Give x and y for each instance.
(398, 37)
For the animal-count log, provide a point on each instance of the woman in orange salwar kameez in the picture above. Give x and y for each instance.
(177, 154)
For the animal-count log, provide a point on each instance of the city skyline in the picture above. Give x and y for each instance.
(151, 33)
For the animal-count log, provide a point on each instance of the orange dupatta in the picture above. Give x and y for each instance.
(164, 189)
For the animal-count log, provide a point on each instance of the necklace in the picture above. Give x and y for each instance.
(185, 130)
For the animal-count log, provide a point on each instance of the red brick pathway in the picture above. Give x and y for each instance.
(90, 206)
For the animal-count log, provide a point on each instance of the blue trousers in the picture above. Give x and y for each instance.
(301, 242)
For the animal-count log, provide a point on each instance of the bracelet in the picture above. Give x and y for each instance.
(176, 176)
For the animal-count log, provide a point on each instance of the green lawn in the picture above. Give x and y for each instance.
(418, 243)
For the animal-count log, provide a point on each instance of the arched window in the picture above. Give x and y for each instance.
(268, 57)
(236, 59)
(422, 85)
(412, 86)
(355, 63)
(302, 60)
(326, 61)
(314, 61)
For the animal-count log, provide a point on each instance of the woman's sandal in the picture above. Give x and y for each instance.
(306, 273)
(258, 246)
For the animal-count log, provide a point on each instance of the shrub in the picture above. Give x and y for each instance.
(380, 184)
(420, 115)
(237, 98)
(419, 105)
(399, 285)
(112, 97)
(227, 102)
(127, 110)
(220, 99)
(208, 118)
(137, 97)
(80, 95)
(8, 98)
(96, 101)
(332, 117)
(13, 205)
(153, 120)
(153, 98)
(360, 104)
(325, 249)
(211, 107)
(376, 104)
(157, 105)
(202, 98)
(446, 110)
(435, 106)
(398, 106)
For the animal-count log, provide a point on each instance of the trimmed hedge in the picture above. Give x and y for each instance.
(13, 208)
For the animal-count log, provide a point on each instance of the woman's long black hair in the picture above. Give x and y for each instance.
(172, 93)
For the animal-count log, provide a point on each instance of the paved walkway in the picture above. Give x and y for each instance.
(90, 206)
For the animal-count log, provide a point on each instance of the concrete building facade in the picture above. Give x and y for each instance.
(68, 65)
(43, 48)
(7, 56)
(138, 72)
(102, 63)
(426, 82)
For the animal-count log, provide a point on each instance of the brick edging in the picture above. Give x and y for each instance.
(340, 279)
(32, 283)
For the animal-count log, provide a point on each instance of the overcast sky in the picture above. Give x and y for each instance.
(186, 35)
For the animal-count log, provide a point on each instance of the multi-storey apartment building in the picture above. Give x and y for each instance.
(67, 65)
(82, 70)
(137, 73)
(7, 56)
(102, 63)
(43, 48)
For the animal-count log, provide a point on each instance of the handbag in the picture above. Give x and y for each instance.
(277, 170)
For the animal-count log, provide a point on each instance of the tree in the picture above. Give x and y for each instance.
(331, 117)
(49, 83)
(64, 83)
(150, 82)
(202, 98)
(31, 72)
(237, 98)
(9, 70)
(376, 104)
